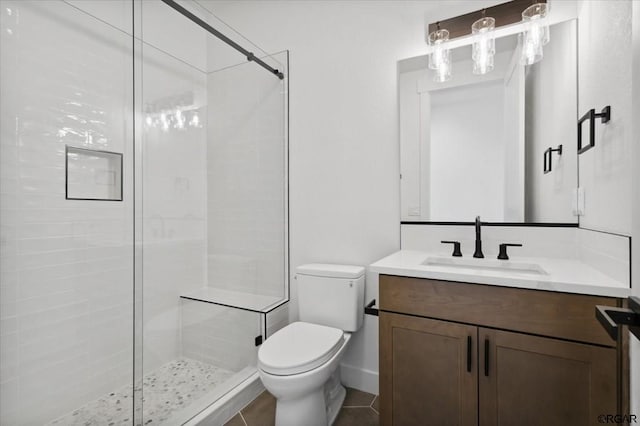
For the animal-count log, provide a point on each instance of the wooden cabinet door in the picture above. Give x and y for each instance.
(425, 377)
(530, 380)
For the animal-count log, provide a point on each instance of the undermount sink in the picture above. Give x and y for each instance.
(485, 265)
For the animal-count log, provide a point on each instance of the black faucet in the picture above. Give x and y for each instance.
(478, 252)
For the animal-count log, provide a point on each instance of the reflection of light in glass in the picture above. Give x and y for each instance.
(9, 11)
(9, 31)
(179, 119)
(164, 121)
(195, 120)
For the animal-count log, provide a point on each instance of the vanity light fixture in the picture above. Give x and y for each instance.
(536, 33)
(484, 44)
(440, 57)
(480, 31)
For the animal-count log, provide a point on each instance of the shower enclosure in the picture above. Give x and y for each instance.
(143, 210)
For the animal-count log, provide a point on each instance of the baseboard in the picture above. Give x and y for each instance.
(228, 406)
(359, 378)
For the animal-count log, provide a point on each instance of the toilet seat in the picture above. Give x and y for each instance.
(299, 347)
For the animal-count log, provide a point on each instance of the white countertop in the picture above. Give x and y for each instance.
(563, 275)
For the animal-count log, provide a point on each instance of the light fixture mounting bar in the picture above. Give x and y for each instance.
(504, 14)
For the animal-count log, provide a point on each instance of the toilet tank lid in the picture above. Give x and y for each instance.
(332, 271)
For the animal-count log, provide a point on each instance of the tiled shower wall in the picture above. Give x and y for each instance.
(247, 179)
(65, 266)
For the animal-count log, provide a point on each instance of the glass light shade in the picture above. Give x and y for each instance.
(443, 73)
(531, 49)
(533, 15)
(439, 54)
(536, 34)
(484, 45)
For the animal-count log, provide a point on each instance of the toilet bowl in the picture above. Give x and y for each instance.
(299, 364)
(309, 392)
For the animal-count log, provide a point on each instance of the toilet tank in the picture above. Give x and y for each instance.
(331, 295)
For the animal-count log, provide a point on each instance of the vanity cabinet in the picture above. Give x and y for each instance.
(427, 363)
(469, 354)
(543, 381)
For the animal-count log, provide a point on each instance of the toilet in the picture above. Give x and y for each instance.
(299, 364)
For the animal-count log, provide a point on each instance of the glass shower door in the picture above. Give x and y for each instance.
(66, 212)
(212, 194)
(143, 212)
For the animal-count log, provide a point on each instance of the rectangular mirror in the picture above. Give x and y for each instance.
(484, 144)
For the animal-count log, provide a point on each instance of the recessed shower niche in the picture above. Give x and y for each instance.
(92, 174)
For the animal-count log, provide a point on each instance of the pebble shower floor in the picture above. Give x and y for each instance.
(166, 391)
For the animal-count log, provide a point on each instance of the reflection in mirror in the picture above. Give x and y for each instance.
(475, 145)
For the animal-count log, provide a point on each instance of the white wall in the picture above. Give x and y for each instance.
(610, 75)
(608, 173)
(605, 79)
(550, 121)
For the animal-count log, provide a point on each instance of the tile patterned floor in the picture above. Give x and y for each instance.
(166, 390)
(359, 409)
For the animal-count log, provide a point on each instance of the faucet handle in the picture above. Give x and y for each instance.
(503, 250)
(456, 248)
